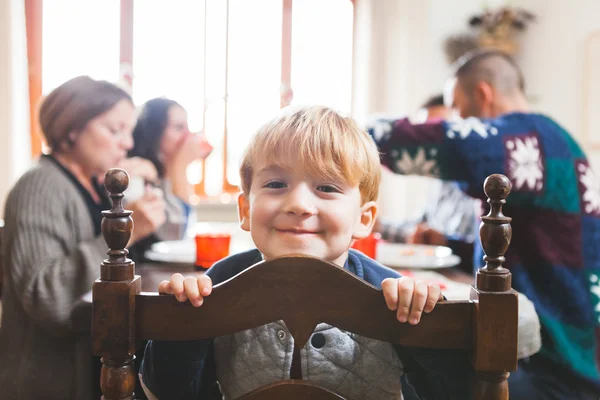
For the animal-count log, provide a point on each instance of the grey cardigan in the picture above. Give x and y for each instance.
(51, 259)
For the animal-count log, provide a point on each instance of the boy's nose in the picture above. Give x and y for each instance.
(299, 202)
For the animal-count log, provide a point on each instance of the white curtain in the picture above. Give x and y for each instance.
(15, 143)
(391, 66)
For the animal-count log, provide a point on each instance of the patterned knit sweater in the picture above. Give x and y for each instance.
(554, 256)
(51, 259)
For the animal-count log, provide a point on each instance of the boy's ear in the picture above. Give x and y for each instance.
(244, 211)
(367, 220)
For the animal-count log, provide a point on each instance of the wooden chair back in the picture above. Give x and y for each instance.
(298, 290)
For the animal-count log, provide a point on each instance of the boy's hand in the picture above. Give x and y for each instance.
(410, 298)
(192, 288)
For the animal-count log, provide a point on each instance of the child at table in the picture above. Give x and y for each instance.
(310, 180)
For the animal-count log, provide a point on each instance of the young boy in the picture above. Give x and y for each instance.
(310, 180)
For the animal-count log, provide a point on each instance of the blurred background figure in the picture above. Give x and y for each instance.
(163, 149)
(52, 242)
(433, 109)
(449, 217)
(553, 205)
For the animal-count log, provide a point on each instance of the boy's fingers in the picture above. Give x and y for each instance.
(205, 285)
(435, 295)
(177, 286)
(418, 302)
(190, 286)
(389, 287)
(406, 286)
(165, 287)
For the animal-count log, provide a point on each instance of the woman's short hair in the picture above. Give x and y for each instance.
(68, 109)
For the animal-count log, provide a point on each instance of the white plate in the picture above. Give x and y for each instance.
(173, 251)
(184, 251)
(399, 255)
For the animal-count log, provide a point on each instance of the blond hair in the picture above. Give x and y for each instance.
(328, 144)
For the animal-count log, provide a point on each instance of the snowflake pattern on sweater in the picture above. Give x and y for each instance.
(554, 256)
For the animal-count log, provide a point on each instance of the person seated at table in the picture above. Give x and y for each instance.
(163, 149)
(554, 257)
(52, 242)
(310, 180)
(449, 217)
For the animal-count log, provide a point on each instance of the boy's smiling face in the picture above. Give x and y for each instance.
(291, 212)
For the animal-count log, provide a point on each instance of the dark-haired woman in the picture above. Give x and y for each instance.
(162, 137)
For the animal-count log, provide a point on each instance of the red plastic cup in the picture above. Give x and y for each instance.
(368, 245)
(205, 147)
(210, 248)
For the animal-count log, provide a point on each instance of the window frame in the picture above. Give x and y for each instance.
(34, 21)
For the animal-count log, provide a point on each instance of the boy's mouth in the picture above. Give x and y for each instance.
(298, 231)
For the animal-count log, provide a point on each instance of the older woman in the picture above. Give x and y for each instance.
(52, 241)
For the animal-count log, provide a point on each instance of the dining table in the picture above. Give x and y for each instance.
(165, 259)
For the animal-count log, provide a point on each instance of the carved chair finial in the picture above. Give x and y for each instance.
(495, 233)
(117, 226)
(116, 181)
(497, 187)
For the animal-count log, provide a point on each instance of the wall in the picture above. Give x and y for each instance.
(552, 50)
(14, 97)
(405, 64)
(558, 42)
(391, 77)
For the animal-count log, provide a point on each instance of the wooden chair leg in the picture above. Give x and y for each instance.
(490, 386)
(118, 378)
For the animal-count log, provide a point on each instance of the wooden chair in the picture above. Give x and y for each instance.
(486, 325)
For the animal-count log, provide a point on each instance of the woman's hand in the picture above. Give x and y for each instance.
(423, 234)
(148, 214)
(137, 166)
(191, 147)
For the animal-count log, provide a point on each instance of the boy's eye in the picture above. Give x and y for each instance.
(275, 185)
(328, 189)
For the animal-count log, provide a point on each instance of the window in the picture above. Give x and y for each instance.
(230, 63)
(322, 52)
(79, 38)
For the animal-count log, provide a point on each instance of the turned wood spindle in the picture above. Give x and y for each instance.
(115, 290)
(497, 304)
(117, 226)
(495, 233)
